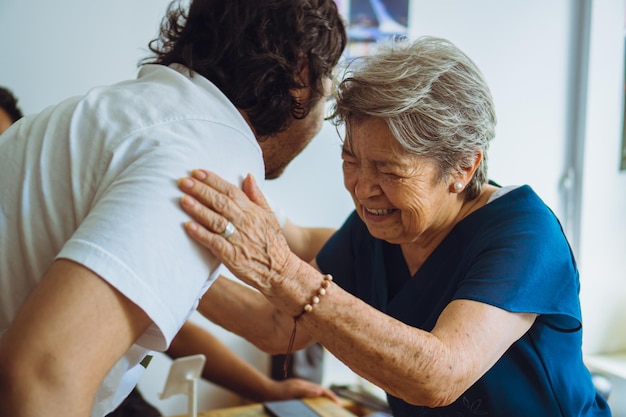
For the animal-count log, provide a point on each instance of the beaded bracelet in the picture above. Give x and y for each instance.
(307, 308)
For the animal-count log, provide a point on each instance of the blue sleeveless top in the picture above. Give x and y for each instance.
(510, 253)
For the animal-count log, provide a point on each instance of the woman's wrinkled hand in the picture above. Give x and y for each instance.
(256, 252)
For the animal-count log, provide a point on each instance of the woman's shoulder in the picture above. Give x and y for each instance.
(515, 200)
(515, 211)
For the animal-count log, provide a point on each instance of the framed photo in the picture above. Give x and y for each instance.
(369, 21)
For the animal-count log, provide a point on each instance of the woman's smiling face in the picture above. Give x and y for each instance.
(398, 195)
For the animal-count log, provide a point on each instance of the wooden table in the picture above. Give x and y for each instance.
(324, 406)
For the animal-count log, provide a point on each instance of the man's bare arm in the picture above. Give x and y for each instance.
(71, 330)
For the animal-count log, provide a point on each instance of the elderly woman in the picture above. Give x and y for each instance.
(456, 296)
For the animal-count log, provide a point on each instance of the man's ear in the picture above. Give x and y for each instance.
(301, 94)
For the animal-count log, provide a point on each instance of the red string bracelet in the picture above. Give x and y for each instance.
(307, 308)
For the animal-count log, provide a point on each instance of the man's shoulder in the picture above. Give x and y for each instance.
(161, 99)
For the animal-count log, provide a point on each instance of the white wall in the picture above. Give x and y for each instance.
(52, 50)
(603, 225)
(602, 261)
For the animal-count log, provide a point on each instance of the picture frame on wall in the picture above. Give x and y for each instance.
(369, 21)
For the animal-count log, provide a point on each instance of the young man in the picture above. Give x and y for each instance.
(96, 268)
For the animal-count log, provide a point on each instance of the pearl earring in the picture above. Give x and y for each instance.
(458, 186)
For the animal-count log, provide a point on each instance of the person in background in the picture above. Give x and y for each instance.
(455, 295)
(9, 111)
(97, 270)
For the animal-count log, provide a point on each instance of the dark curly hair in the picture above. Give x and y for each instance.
(8, 103)
(254, 51)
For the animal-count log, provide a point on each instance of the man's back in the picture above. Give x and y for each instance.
(93, 180)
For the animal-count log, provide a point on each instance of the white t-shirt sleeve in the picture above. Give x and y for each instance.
(133, 237)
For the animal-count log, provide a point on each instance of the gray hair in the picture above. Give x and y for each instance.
(433, 98)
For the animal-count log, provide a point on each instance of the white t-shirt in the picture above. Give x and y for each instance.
(93, 179)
